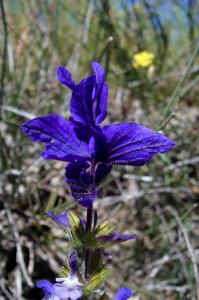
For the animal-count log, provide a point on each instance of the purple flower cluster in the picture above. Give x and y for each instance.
(67, 288)
(89, 148)
(90, 151)
(105, 239)
(64, 288)
(70, 287)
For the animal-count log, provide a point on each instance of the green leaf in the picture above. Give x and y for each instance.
(97, 279)
(75, 220)
(106, 227)
(77, 229)
(96, 261)
(64, 272)
(90, 241)
(76, 237)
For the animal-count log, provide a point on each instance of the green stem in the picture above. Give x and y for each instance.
(89, 219)
(88, 229)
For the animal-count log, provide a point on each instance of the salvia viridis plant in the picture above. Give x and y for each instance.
(90, 151)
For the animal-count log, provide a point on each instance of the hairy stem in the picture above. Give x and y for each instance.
(89, 221)
(88, 228)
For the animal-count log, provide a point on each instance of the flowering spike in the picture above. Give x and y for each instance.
(90, 151)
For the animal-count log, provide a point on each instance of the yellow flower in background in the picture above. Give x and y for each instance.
(137, 6)
(143, 59)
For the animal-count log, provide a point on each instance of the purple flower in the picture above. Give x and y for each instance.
(89, 148)
(64, 288)
(115, 238)
(123, 294)
(61, 220)
(105, 239)
(68, 288)
(49, 290)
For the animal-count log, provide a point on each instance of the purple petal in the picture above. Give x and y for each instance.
(75, 168)
(115, 237)
(101, 172)
(73, 263)
(102, 100)
(99, 72)
(82, 102)
(68, 288)
(133, 144)
(46, 286)
(65, 294)
(65, 78)
(89, 100)
(79, 182)
(61, 220)
(100, 93)
(88, 198)
(91, 147)
(98, 150)
(123, 294)
(59, 137)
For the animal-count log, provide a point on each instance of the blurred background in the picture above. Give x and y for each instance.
(150, 51)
